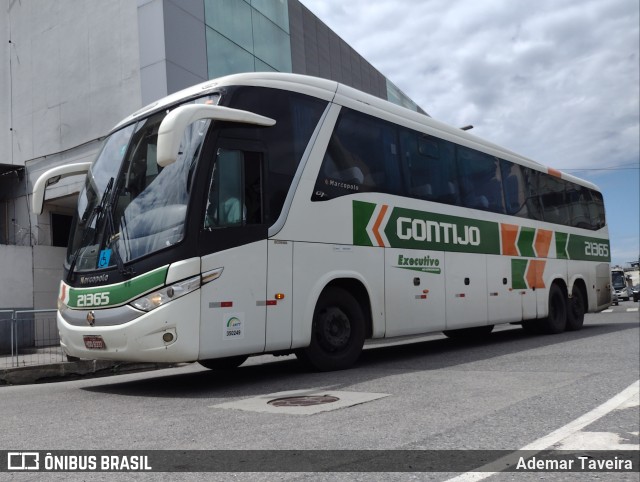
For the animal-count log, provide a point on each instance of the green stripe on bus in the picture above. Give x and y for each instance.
(362, 213)
(518, 271)
(117, 294)
(582, 248)
(413, 229)
(408, 228)
(525, 242)
(585, 248)
(561, 245)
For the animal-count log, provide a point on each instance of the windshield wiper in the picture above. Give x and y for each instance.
(112, 238)
(97, 210)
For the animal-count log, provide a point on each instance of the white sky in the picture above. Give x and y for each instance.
(555, 80)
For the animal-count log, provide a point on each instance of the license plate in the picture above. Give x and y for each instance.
(94, 342)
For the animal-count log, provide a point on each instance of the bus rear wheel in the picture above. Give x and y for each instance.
(556, 321)
(575, 310)
(227, 363)
(337, 333)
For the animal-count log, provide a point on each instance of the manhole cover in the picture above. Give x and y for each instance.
(304, 401)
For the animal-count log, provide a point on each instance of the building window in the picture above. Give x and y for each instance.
(232, 19)
(395, 95)
(245, 36)
(271, 44)
(225, 57)
(275, 10)
(60, 229)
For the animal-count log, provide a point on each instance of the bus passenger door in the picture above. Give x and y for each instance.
(233, 308)
(414, 290)
(279, 297)
(233, 246)
(466, 288)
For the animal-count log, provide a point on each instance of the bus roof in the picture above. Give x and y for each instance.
(332, 91)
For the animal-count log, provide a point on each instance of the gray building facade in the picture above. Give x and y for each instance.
(186, 42)
(72, 70)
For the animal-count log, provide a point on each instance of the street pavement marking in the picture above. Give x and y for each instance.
(596, 441)
(602, 440)
(629, 310)
(626, 398)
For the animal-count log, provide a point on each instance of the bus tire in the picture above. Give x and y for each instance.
(337, 332)
(575, 310)
(556, 321)
(473, 333)
(227, 363)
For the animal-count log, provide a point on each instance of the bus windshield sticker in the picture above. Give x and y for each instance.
(105, 257)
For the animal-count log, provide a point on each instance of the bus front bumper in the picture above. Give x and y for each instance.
(168, 334)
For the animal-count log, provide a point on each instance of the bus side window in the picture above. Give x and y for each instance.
(235, 190)
(532, 199)
(419, 156)
(514, 189)
(429, 167)
(596, 210)
(343, 164)
(579, 198)
(362, 156)
(480, 180)
(296, 116)
(553, 198)
(520, 191)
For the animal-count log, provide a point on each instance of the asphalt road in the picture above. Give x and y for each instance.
(503, 393)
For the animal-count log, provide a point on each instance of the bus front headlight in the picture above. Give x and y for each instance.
(158, 298)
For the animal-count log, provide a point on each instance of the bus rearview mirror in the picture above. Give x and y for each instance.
(173, 126)
(51, 177)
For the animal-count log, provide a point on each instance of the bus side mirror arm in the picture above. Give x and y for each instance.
(51, 177)
(173, 126)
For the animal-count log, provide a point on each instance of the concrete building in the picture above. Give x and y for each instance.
(73, 69)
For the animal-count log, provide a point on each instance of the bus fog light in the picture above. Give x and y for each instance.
(167, 337)
(158, 298)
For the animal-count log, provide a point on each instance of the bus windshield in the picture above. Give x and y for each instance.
(617, 279)
(130, 206)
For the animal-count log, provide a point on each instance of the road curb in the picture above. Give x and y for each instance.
(72, 370)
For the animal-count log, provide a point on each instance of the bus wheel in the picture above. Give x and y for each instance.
(556, 322)
(227, 363)
(473, 333)
(575, 310)
(337, 333)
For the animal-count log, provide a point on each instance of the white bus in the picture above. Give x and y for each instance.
(277, 213)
